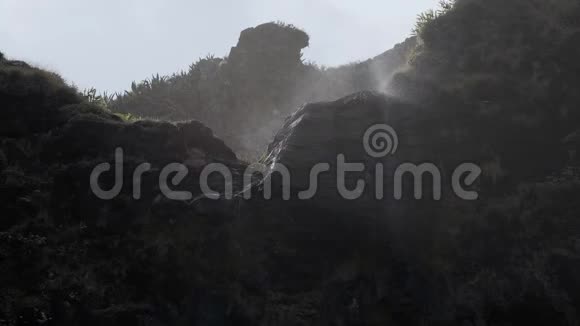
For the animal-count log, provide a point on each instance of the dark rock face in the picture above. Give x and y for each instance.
(132, 253)
(72, 258)
(319, 132)
(382, 258)
(68, 257)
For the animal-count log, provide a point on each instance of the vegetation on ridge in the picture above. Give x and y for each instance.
(245, 96)
(491, 80)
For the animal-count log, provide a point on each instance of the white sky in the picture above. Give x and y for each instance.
(109, 43)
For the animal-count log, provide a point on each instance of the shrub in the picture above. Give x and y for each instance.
(103, 100)
(427, 17)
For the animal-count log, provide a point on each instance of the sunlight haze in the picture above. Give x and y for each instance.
(107, 44)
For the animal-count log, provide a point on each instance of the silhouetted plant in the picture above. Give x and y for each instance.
(425, 18)
(93, 97)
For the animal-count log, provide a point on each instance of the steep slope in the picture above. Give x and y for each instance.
(490, 82)
(70, 258)
(245, 96)
(509, 66)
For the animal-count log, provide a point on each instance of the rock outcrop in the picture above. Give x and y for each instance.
(390, 242)
(318, 133)
(245, 96)
(68, 257)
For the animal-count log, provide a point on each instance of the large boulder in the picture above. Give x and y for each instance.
(279, 44)
(359, 127)
(319, 132)
(263, 73)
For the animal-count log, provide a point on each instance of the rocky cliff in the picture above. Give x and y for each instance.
(491, 83)
(245, 96)
(68, 257)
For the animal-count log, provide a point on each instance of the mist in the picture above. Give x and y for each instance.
(109, 44)
(328, 163)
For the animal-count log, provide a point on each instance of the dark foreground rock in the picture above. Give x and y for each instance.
(482, 86)
(407, 262)
(70, 258)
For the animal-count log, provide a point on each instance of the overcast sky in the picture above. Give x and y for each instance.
(109, 43)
